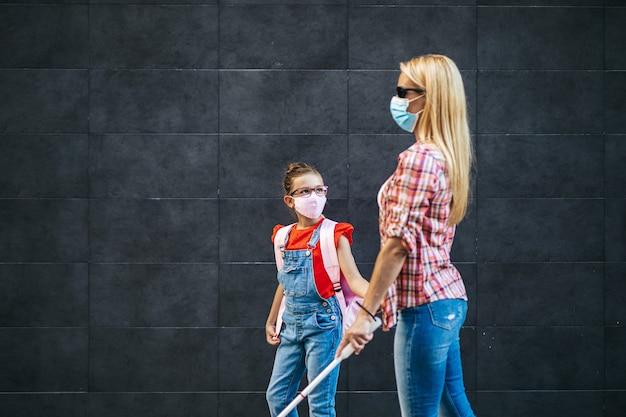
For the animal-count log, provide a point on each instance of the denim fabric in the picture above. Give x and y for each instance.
(428, 360)
(311, 332)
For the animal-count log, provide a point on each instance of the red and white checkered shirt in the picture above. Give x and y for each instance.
(414, 205)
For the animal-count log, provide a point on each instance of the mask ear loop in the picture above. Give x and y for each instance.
(415, 98)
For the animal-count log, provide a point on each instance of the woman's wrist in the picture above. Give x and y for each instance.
(372, 316)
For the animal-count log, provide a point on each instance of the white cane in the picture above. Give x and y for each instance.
(345, 353)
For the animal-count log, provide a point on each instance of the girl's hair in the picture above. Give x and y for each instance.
(295, 170)
(444, 122)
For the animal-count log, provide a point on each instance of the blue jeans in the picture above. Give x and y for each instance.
(308, 342)
(428, 360)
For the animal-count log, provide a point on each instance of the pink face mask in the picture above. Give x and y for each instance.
(311, 207)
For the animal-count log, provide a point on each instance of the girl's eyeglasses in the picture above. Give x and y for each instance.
(305, 192)
(402, 91)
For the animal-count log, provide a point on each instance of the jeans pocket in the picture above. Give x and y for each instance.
(447, 314)
(326, 320)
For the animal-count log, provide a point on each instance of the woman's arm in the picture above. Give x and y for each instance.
(357, 283)
(271, 334)
(388, 265)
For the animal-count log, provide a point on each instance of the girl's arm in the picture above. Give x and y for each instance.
(357, 283)
(388, 265)
(271, 335)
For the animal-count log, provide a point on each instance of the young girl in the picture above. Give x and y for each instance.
(312, 321)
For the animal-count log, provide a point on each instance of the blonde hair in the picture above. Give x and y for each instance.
(444, 122)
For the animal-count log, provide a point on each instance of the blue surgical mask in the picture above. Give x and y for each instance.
(401, 115)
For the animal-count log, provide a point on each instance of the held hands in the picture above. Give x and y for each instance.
(270, 335)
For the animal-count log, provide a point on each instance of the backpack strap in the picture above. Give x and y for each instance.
(329, 252)
(280, 240)
(344, 294)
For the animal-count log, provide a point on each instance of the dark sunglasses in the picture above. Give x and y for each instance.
(402, 91)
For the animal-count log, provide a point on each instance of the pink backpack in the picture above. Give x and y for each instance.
(347, 299)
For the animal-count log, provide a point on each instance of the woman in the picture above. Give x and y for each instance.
(419, 207)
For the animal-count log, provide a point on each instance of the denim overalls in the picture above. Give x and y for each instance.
(310, 335)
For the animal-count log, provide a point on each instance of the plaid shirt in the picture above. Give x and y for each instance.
(414, 205)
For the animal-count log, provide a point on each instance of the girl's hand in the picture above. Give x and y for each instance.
(358, 335)
(270, 335)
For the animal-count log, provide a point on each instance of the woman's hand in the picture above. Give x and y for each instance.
(271, 336)
(358, 335)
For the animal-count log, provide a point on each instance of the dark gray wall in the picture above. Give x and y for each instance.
(141, 152)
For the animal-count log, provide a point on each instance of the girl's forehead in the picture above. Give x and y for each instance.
(308, 179)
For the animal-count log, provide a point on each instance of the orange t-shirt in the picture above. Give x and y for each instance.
(299, 238)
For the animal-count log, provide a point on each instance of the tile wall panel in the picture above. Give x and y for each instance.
(557, 303)
(44, 101)
(615, 337)
(242, 368)
(615, 50)
(153, 36)
(234, 293)
(44, 359)
(525, 102)
(155, 230)
(43, 165)
(372, 404)
(615, 248)
(283, 37)
(377, 41)
(153, 165)
(44, 295)
(540, 38)
(615, 294)
(147, 295)
(540, 364)
(527, 230)
(152, 360)
(155, 404)
(525, 166)
(49, 404)
(614, 174)
(614, 404)
(615, 82)
(540, 404)
(44, 36)
(293, 102)
(150, 101)
(44, 230)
